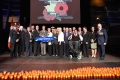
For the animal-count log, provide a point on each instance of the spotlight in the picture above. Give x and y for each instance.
(97, 18)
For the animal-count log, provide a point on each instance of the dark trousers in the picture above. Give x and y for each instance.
(86, 50)
(61, 49)
(66, 48)
(55, 49)
(22, 47)
(14, 50)
(50, 50)
(101, 51)
(28, 49)
(36, 48)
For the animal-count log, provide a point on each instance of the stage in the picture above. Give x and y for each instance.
(53, 63)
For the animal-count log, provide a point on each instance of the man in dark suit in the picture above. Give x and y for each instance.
(86, 41)
(28, 42)
(66, 42)
(22, 40)
(102, 41)
(36, 43)
(14, 40)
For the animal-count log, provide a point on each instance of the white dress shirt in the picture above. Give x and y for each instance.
(50, 34)
(30, 35)
(61, 37)
(80, 35)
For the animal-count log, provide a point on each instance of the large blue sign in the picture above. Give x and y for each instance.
(44, 39)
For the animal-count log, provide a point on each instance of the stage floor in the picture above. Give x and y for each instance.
(53, 63)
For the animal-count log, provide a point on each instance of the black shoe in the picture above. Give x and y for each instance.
(102, 58)
(35, 55)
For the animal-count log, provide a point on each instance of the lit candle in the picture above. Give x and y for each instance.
(3, 77)
(88, 76)
(6, 77)
(15, 77)
(11, 77)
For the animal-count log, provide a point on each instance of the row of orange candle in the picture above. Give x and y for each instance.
(72, 74)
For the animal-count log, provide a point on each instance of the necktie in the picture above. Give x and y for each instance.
(30, 35)
(66, 34)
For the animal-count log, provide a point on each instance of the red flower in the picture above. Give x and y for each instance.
(48, 17)
(61, 8)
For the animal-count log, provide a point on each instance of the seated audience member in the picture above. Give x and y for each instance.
(74, 43)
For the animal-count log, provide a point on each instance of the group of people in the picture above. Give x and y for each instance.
(65, 39)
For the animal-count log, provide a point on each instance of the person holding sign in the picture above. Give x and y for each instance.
(36, 43)
(49, 42)
(43, 33)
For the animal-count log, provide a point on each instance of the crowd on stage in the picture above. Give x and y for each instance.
(67, 41)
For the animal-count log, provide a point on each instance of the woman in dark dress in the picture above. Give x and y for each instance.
(93, 42)
(55, 43)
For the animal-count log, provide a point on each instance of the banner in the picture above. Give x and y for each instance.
(44, 39)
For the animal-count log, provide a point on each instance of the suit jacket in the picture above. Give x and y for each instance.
(66, 37)
(55, 41)
(43, 33)
(22, 35)
(27, 37)
(35, 34)
(101, 39)
(14, 36)
(93, 36)
(86, 38)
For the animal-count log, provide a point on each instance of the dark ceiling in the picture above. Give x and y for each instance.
(109, 14)
(12, 5)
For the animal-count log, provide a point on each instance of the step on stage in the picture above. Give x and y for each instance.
(55, 68)
(54, 63)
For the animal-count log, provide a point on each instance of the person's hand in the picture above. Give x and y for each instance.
(30, 40)
(81, 42)
(101, 33)
(60, 43)
(92, 40)
(104, 44)
(17, 40)
(86, 42)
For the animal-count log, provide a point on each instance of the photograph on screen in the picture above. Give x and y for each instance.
(55, 12)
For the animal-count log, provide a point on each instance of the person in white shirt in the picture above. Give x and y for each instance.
(80, 31)
(50, 34)
(61, 41)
